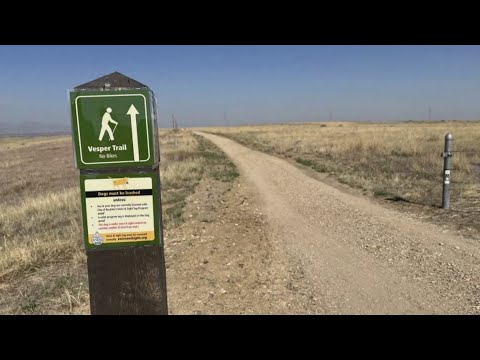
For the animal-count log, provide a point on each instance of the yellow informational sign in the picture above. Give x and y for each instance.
(119, 210)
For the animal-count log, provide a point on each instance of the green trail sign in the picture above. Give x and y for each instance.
(113, 129)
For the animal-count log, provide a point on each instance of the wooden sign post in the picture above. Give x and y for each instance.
(116, 147)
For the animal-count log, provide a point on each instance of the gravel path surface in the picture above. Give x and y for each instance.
(359, 257)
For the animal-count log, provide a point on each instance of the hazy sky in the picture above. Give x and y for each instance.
(251, 84)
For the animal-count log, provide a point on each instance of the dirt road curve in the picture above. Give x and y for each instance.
(360, 257)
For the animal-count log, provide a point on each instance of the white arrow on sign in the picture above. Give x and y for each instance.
(133, 118)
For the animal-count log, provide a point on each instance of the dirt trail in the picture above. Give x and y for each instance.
(359, 257)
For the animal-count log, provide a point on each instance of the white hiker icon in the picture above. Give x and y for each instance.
(106, 127)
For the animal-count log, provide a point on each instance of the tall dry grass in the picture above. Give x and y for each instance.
(42, 257)
(42, 235)
(181, 168)
(398, 160)
(39, 232)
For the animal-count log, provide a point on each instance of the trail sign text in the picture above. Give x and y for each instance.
(120, 211)
(112, 130)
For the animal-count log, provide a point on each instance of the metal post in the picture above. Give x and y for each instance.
(447, 167)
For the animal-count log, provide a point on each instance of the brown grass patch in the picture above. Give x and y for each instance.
(42, 257)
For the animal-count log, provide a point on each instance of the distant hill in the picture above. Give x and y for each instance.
(32, 129)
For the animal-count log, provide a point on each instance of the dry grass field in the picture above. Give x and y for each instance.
(397, 162)
(218, 256)
(42, 257)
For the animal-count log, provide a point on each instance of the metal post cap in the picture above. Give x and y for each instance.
(449, 136)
